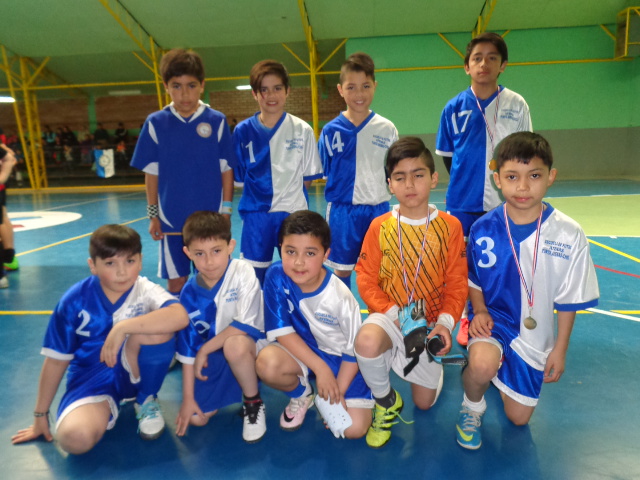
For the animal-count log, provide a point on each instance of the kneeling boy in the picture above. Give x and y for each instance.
(115, 332)
(522, 247)
(412, 255)
(314, 317)
(218, 349)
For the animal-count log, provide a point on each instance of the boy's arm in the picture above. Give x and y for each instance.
(50, 377)
(325, 381)
(168, 319)
(212, 345)
(555, 365)
(367, 271)
(227, 189)
(482, 323)
(151, 187)
(346, 374)
(6, 165)
(189, 405)
(456, 277)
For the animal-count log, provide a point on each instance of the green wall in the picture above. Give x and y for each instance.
(592, 108)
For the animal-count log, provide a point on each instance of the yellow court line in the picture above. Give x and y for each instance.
(71, 239)
(27, 312)
(627, 312)
(626, 255)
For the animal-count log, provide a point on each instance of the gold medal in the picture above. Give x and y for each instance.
(530, 323)
(493, 165)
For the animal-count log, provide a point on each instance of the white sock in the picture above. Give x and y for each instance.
(375, 374)
(478, 407)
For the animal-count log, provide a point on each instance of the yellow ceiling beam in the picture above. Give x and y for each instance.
(485, 16)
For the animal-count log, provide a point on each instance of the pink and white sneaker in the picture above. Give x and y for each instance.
(294, 413)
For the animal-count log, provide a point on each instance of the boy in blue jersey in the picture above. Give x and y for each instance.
(113, 333)
(471, 126)
(353, 148)
(314, 317)
(218, 349)
(277, 161)
(525, 260)
(186, 154)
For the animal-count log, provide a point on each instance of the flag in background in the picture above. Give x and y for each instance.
(104, 164)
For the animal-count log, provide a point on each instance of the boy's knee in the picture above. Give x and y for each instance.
(77, 440)
(238, 347)
(267, 366)
(368, 343)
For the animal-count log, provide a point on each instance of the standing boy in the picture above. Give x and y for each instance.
(218, 349)
(525, 260)
(277, 160)
(314, 319)
(471, 126)
(114, 332)
(412, 255)
(186, 154)
(353, 147)
(7, 162)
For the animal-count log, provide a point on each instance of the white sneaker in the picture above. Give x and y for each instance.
(4, 282)
(150, 421)
(255, 422)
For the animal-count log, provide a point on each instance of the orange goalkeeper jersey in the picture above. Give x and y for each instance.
(442, 280)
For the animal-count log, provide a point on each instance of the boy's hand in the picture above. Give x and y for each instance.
(188, 409)
(155, 229)
(111, 346)
(445, 335)
(39, 428)
(481, 325)
(200, 362)
(554, 367)
(328, 385)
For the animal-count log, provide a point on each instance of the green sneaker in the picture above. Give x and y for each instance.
(468, 429)
(379, 432)
(14, 265)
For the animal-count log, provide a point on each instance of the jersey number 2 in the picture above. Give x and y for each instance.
(85, 321)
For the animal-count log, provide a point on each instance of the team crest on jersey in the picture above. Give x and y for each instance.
(204, 129)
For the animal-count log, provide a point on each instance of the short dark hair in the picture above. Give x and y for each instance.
(488, 37)
(264, 68)
(408, 147)
(110, 240)
(358, 62)
(522, 147)
(178, 62)
(306, 222)
(203, 225)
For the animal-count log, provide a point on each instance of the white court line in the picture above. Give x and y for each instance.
(87, 202)
(612, 314)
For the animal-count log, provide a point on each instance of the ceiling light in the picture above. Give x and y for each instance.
(243, 87)
(7, 99)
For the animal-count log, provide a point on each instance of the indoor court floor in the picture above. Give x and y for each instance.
(587, 426)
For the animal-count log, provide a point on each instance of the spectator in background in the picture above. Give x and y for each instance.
(101, 137)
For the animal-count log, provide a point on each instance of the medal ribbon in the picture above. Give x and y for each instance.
(404, 270)
(495, 117)
(515, 256)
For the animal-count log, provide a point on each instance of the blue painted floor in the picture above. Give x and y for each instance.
(586, 426)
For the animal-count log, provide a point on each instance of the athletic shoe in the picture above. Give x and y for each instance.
(293, 415)
(463, 332)
(4, 282)
(379, 432)
(255, 421)
(14, 265)
(150, 421)
(468, 429)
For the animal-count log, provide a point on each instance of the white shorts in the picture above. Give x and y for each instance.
(426, 374)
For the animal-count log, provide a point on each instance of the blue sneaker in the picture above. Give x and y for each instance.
(468, 429)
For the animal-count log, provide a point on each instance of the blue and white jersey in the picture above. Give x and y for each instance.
(235, 300)
(273, 163)
(353, 159)
(84, 317)
(327, 320)
(565, 277)
(188, 156)
(463, 135)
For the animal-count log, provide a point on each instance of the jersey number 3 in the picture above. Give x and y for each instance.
(488, 258)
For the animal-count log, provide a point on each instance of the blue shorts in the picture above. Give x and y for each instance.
(466, 219)
(221, 388)
(260, 236)
(95, 384)
(172, 261)
(349, 224)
